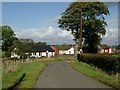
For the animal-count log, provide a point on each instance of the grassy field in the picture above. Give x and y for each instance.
(31, 71)
(86, 69)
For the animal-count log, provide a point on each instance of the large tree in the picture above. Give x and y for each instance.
(8, 36)
(93, 23)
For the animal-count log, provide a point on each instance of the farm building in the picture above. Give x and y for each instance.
(42, 51)
(104, 48)
(69, 51)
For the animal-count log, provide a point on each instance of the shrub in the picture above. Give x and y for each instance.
(106, 63)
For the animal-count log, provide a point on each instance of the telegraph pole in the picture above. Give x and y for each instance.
(81, 31)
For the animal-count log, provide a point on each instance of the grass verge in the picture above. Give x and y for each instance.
(111, 80)
(31, 70)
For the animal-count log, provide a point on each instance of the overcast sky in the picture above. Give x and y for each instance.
(38, 21)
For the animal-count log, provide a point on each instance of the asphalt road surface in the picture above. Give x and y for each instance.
(62, 75)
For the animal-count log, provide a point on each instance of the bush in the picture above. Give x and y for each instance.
(106, 63)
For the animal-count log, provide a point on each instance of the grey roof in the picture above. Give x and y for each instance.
(104, 46)
(42, 49)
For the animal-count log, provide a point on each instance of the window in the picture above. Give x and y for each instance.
(69, 52)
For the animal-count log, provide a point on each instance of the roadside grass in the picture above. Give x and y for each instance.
(31, 70)
(111, 80)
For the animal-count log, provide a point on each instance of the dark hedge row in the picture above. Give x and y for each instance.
(109, 64)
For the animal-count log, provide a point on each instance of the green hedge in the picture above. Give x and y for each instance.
(107, 63)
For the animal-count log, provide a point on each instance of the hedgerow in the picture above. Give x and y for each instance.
(107, 63)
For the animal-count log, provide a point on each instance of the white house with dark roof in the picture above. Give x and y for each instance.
(42, 51)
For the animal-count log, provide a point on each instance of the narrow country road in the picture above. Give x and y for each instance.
(62, 75)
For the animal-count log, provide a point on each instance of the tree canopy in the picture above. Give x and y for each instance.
(23, 47)
(93, 23)
(8, 36)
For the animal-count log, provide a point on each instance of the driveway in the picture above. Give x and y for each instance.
(62, 75)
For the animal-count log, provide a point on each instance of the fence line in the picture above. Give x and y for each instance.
(12, 65)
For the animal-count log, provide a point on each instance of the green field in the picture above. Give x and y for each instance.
(86, 69)
(31, 71)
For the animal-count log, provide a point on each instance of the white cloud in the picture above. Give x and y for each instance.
(111, 36)
(52, 34)
(63, 33)
(49, 34)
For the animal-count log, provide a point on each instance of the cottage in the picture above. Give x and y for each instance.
(70, 51)
(104, 48)
(42, 51)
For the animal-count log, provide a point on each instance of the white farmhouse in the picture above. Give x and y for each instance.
(70, 51)
(42, 51)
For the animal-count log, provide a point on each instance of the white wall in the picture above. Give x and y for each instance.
(51, 54)
(13, 55)
(69, 51)
(42, 54)
(62, 52)
(102, 51)
(35, 55)
(110, 50)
